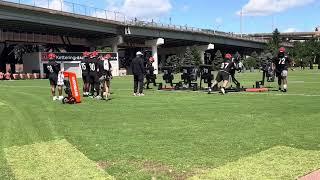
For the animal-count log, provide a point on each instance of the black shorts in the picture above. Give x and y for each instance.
(222, 76)
(53, 79)
(282, 73)
(93, 78)
(85, 78)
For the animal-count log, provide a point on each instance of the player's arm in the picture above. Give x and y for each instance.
(143, 69)
(273, 64)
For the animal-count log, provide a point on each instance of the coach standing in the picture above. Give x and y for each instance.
(138, 71)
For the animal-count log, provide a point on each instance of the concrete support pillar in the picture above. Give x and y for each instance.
(114, 47)
(202, 50)
(115, 42)
(154, 46)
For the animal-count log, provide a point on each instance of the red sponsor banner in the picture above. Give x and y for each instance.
(75, 56)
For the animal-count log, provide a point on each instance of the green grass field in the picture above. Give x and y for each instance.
(164, 135)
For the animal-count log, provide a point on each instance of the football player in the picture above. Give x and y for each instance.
(281, 64)
(85, 73)
(223, 75)
(93, 75)
(53, 69)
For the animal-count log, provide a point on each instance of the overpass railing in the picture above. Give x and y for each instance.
(79, 9)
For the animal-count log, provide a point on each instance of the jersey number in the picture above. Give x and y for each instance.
(282, 61)
(92, 67)
(50, 69)
(83, 66)
(225, 65)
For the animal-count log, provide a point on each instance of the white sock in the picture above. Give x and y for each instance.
(285, 86)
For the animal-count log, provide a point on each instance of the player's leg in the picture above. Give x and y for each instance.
(97, 86)
(87, 85)
(284, 75)
(279, 80)
(60, 84)
(140, 83)
(135, 85)
(154, 80)
(216, 82)
(225, 78)
(53, 92)
(108, 87)
(91, 84)
(60, 92)
(53, 84)
(84, 85)
(148, 82)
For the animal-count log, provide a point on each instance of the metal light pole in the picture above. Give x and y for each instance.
(241, 16)
(272, 23)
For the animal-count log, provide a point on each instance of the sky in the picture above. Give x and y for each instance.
(223, 15)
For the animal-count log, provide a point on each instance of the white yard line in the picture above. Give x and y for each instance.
(273, 94)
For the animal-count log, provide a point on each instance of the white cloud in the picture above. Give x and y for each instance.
(268, 7)
(141, 8)
(289, 30)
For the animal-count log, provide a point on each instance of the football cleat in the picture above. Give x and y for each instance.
(223, 91)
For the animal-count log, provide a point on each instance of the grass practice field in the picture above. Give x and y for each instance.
(164, 135)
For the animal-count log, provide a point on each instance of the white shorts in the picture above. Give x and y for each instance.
(60, 80)
(284, 73)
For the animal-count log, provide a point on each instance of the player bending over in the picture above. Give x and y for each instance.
(281, 64)
(53, 74)
(223, 75)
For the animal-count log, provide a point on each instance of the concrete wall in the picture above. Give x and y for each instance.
(72, 67)
(31, 61)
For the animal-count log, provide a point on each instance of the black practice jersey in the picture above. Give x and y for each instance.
(84, 66)
(53, 68)
(227, 66)
(282, 62)
(149, 68)
(93, 64)
(103, 69)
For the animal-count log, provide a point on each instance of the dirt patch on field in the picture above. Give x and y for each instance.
(156, 168)
(104, 164)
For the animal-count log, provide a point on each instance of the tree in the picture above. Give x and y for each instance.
(255, 57)
(237, 55)
(187, 57)
(304, 53)
(218, 60)
(274, 44)
(173, 60)
(196, 57)
(251, 62)
(104, 49)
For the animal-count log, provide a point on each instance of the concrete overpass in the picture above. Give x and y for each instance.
(31, 24)
(292, 36)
